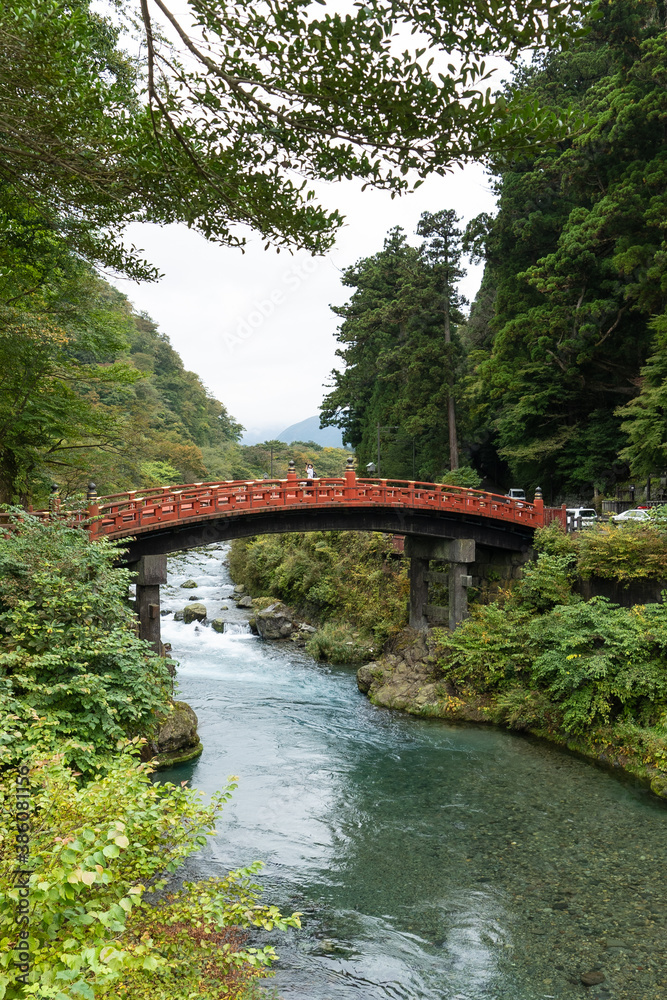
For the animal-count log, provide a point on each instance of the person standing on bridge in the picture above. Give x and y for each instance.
(310, 473)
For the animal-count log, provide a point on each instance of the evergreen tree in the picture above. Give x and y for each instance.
(576, 257)
(400, 370)
(442, 252)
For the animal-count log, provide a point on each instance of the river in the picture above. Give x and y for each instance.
(430, 861)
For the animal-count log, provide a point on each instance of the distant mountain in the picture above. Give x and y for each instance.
(309, 430)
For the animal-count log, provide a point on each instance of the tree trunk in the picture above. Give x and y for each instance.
(451, 412)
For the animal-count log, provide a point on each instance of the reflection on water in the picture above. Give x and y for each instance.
(430, 861)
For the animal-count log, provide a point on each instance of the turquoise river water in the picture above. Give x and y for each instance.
(430, 861)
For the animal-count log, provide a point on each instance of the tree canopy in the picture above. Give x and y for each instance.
(218, 119)
(559, 373)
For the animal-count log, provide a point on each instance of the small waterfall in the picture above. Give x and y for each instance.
(237, 628)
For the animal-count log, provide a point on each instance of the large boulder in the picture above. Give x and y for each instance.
(366, 676)
(274, 622)
(245, 602)
(178, 731)
(189, 584)
(195, 612)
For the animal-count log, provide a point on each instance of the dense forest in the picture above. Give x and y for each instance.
(558, 372)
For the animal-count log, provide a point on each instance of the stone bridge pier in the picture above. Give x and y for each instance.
(459, 553)
(150, 572)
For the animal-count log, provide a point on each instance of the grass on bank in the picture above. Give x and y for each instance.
(349, 582)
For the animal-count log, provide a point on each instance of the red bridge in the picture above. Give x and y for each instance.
(168, 518)
(466, 529)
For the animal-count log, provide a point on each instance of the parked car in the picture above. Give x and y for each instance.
(628, 516)
(516, 494)
(580, 517)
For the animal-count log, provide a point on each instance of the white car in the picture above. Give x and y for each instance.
(628, 516)
(580, 517)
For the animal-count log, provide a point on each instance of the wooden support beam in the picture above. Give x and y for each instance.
(151, 572)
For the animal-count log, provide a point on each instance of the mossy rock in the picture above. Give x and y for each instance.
(189, 585)
(178, 730)
(195, 612)
(218, 625)
(659, 785)
(165, 760)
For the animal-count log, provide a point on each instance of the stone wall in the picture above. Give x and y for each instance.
(494, 569)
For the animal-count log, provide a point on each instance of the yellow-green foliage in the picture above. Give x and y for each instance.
(90, 854)
(618, 552)
(337, 576)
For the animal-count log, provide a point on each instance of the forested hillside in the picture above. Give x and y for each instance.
(90, 389)
(559, 373)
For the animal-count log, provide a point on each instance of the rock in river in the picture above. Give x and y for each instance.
(189, 584)
(194, 612)
(274, 622)
(178, 730)
(592, 978)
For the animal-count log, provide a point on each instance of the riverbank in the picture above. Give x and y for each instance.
(409, 676)
(588, 675)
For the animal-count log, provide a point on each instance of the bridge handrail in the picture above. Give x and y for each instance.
(124, 514)
(191, 490)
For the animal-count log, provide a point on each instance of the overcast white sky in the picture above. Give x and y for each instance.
(257, 326)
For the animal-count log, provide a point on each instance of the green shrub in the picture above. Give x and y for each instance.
(555, 541)
(545, 583)
(600, 662)
(615, 552)
(526, 708)
(488, 651)
(95, 850)
(71, 664)
(626, 552)
(577, 666)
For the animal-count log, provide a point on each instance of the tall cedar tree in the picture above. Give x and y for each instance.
(398, 368)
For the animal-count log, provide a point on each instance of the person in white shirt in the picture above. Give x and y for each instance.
(310, 473)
